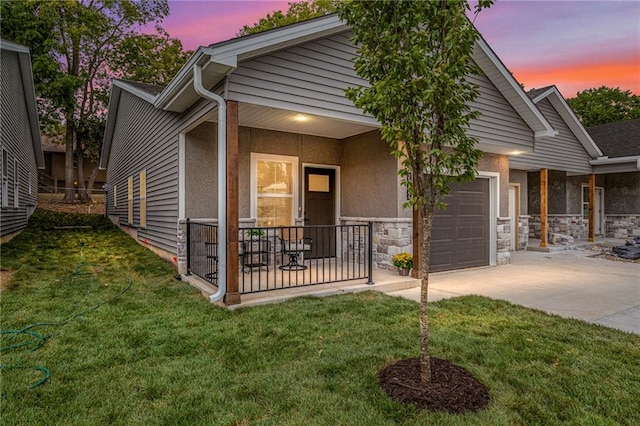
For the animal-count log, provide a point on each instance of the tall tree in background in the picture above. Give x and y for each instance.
(416, 56)
(74, 45)
(605, 105)
(298, 11)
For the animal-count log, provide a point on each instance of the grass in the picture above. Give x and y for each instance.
(161, 354)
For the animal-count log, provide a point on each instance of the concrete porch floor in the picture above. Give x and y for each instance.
(383, 280)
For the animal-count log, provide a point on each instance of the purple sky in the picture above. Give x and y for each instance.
(574, 44)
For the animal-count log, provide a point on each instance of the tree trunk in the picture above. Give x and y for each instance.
(426, 211)
(92, 179)
(69, 191)
(83, 197)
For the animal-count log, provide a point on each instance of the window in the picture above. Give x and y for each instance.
(130, 200)
(274, 183)
(143, 199)
(5, 178)
(115, 196)
(16, 189)
(30, 183)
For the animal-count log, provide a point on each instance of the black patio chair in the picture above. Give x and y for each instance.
(294, 244)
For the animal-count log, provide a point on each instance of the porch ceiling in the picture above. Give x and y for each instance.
(295, 122)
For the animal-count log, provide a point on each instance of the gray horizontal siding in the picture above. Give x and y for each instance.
(499, 124)
(15, 137)
(313, 77)
(562, 152)
(310, 77)
(147, 138)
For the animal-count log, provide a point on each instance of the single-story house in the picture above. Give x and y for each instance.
(21, 152)
(562, 187)
(256, 132)
(619, 172)
(52, 178)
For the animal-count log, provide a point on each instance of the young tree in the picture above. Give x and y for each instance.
(77, 40)
(298, 11)
(605, 105)
(416, 56)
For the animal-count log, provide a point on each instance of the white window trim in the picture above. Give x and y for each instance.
(255, 157)
(16, 183)
(142, 183)
(4, 154)
(115, 196)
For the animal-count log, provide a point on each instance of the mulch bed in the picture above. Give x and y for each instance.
(452, 389)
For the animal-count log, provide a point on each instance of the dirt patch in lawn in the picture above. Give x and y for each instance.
(5, 277)
(452, 389)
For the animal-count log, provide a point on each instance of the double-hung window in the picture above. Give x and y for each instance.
(143, 199)
(5, 178)
(274, 183)
(16, 186)
(130, 200)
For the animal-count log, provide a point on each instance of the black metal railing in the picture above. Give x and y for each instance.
(274, 258)
(202, 250)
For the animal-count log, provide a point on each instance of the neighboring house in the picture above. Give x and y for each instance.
(52, 178)
(582, 182)
(619, 174)
(563, 161)
(20, 150)
(297, 152)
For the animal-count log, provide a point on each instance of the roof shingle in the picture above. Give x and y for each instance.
(621, 139)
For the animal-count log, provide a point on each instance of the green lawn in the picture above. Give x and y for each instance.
(161, 354)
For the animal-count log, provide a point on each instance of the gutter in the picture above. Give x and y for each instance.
(222, 180)
(617, 160)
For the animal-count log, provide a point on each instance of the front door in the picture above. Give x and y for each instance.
(597, 216)
(319, 209)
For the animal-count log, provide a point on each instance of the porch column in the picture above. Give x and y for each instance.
(232, 297)
(417, 243)
(544, 206)
(592, 207)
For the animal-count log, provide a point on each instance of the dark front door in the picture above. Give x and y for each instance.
(460, 233)
(319, 206)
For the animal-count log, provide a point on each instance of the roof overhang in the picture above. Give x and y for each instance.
(220, 59)
(563, 109)
(26, 75)
(504, 81)
(616, 165)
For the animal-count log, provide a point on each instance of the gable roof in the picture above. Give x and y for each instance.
(24, 58)
(621, 139)
(220, 59)
(564, 110)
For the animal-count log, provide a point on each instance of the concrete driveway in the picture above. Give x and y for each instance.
(570, 283)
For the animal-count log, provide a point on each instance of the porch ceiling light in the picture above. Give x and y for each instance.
(301, 118)
(516, 152)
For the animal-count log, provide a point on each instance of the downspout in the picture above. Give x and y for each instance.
(222, 180)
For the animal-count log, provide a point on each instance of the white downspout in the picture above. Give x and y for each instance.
(222, 181)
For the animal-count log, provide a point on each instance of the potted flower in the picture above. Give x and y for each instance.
(404, 263)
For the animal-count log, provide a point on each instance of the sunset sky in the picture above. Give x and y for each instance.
(575, 45)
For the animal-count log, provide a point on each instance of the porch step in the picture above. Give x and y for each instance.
(385, 281)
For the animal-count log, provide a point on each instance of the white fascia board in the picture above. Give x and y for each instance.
(26, 75)
(176, 85)
(14, 47)
(225, 55)
(617, 160)
(565, 111)
(272, 40)
(539, 124)
(134, 91)
(112, 113)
